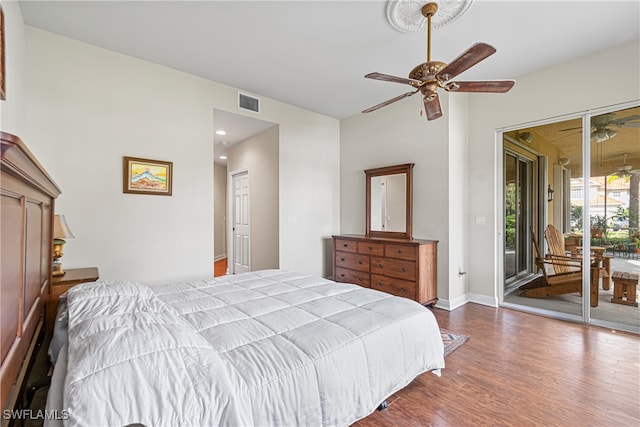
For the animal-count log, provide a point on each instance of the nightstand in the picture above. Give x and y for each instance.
(60, 285)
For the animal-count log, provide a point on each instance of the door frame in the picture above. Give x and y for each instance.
(230, 214)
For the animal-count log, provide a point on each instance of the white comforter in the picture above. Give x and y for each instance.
(261, 348)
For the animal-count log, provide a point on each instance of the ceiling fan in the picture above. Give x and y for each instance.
(626, 170)
(600, 126)
(427, 77)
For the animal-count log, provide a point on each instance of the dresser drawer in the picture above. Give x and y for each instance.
(371, 248)
(401, 288)
(400, 251)
(346, 245)
(394, 267)
(352, 276)
(352, 261)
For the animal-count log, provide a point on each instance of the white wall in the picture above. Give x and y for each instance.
(87, 107)
(258, 155)
(219, 211)
(602, 79)
(12, 108)
(458, 194)
(397, 134)
(309, 190)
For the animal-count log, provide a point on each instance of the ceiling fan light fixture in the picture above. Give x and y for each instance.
(601, 135)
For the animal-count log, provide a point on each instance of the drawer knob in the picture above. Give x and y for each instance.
(342, 259)
(379, 283)
(403, 289)
(342, 275)
(345, 245)
(359, 262)
(403, 269)
(370, 248)
(380, 265)
(359, 279)
(399, 251)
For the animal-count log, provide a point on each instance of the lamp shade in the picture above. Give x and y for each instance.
(61, 229)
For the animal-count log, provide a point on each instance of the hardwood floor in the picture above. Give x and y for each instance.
(220, 267)
(519, 369)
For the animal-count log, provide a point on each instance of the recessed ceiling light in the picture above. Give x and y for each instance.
(220, 132)
(223, 157)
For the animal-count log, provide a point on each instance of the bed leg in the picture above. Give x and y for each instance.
(383, 406)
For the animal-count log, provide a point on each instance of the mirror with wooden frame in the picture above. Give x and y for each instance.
(390, 201)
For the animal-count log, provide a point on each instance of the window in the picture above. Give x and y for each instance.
(576, 193)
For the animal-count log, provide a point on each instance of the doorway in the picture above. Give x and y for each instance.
(249, 146)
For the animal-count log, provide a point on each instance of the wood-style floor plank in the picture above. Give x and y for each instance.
(519, 369)
(220, 267)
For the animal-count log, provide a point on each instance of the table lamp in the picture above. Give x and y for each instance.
(61, 231)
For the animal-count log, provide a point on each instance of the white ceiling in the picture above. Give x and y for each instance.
(314, 54)
(238, 128)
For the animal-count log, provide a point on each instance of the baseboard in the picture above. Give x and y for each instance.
(219, 257)
(458, 302)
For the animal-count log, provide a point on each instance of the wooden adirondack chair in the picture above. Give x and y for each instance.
(558, 252)
(559, 283)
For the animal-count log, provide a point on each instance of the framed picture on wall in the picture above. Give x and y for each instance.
(3, 91)
(145, 176)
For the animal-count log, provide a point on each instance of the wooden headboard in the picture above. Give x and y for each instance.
(26, 224)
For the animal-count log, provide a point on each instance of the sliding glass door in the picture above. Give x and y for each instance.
(580, 181)
(517, 202)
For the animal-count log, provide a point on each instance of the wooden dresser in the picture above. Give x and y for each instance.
(406, 268)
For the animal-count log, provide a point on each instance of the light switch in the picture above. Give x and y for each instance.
(480, 220)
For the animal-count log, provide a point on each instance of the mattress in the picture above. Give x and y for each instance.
(263, 348)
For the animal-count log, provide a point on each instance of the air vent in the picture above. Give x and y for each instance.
(250, 103)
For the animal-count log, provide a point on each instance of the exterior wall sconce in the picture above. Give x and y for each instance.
(549, 194)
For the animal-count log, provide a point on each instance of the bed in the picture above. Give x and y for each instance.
(270, 347)
(27, 196)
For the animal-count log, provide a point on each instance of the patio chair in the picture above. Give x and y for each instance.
(559, 283)
(558, 252)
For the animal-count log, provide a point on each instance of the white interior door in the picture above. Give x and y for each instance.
(240, 229)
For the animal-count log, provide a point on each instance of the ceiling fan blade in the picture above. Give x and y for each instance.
(496, 86)
(468, 59)
(389, 78)
(623, 121)
(389, 101)
(630, 125)
(432, 106)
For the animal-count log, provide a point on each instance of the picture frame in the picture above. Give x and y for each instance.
(3, 78)
(146, 176)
